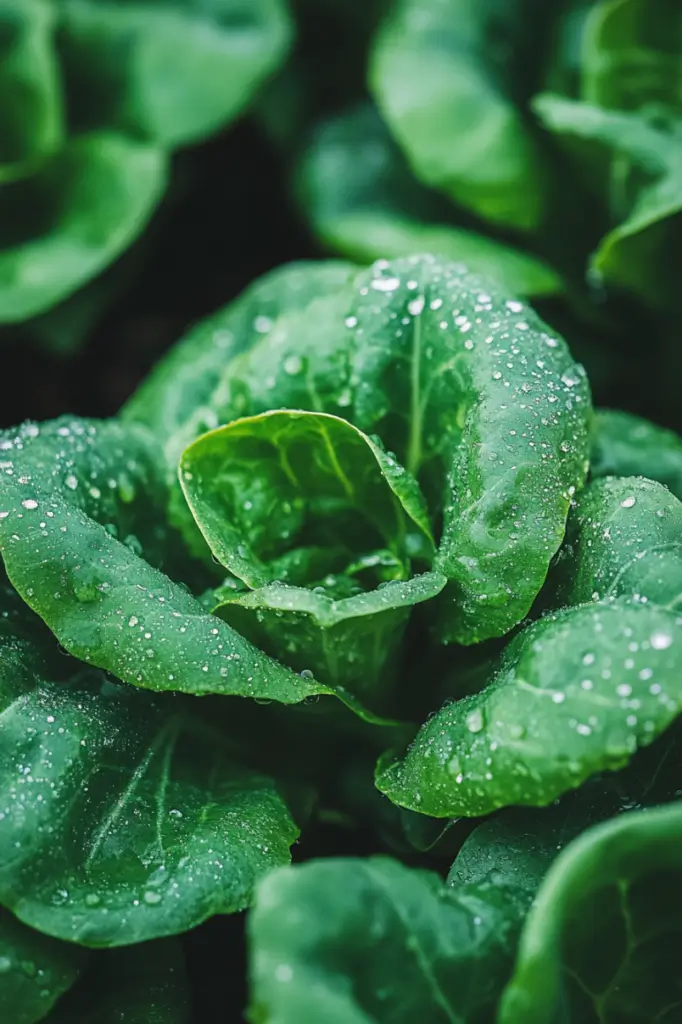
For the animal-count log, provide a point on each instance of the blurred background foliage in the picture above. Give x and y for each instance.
(156, 156)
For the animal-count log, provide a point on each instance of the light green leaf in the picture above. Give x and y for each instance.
(143, 985)
(34, 971)
(639, 168)
(173, 72)
(134, 820)
(262, 486)
(274, 494)
(74, 216)
(576, 693)
(364, 203)
(362, 941)
(631, 55)
(603, 925)
(59, 520)
(450, 99)
(30, 90)
(627, 445)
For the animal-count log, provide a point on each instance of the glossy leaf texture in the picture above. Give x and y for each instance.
(264, 486)
(313, 515)
(176, 399)
(381, 210)
(171, 72)
(578, 691)
(35, 971)
(123, 818)
(357, 941)
(81, 208)
(631, 55)
(598, 939)
(146, 984)
(353, 643)
(473, 394)
(374, 941)
(30, 98)
(638, 165)
(627, 445)
(453, 102)
(60, 524)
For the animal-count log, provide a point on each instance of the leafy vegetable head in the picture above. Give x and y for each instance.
(348, 498)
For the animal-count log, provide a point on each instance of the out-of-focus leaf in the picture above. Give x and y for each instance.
(71, 218)
(637, 168)
(447, 76)
(35, 971)
(364, 203)
(631, 55)
(30, 89)
(171, 71)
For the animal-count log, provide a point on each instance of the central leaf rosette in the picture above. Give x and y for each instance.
(329, 537)
(326, 538)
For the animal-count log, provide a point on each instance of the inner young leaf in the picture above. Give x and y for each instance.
(296, 497)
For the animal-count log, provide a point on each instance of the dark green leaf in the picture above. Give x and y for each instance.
(30, 98)
(624, 537)
(631, 55)
(67, 491)
(34, 971)
(352, 644)
(171, 71)
(474, 395)
(576, 693)
(143, 985)
(627, 445)
(74, 216)
(638, 168)
(176, 401)
(364, 203)
(599, 938)
(124, 818)
(443, 75)
(363, 941)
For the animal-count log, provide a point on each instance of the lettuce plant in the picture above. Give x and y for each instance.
(352, 502)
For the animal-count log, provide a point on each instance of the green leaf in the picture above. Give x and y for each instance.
(176, 400)
(30, 91)
(74, 216)
(631, 55)
(474, 395)
(143, 985)
(271, 495)
(576, 693)
(627, 445)
(364, 203)
(134, 820)
(173, 72)
(624, 537)
(603, 925)
(449, 96)
(59, 520)
(262, 486)
(34, 971)
(357, 941)
(351, 644)
(638, 167)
